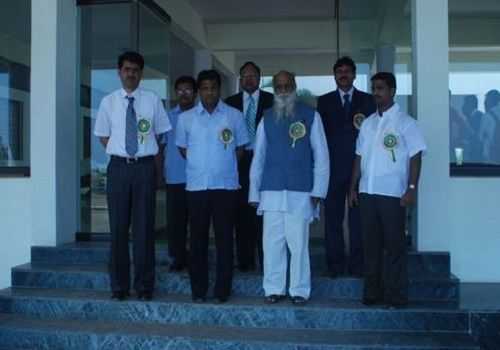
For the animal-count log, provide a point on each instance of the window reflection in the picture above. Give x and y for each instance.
(474, 82)
(15, 42)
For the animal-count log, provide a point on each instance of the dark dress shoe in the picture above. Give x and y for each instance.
(395, 306)
(120, 296)
(371, 302)
(274, 298)
(146, 295)
(177, 266)
(220, 300)
(246, 268)
(298, 300)
(199, 300)
(334, 274)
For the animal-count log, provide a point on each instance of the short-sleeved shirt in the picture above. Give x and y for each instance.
(111, 120)
(211, 141)
(386, 145)
(174, 164)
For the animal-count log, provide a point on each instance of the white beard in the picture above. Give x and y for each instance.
(284, 105)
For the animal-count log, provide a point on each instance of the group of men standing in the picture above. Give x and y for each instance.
(261, 165)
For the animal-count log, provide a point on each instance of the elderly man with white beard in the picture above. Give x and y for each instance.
(288, 179)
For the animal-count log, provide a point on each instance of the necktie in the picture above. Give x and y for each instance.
(347, 107)
(250, 120)
(131, 143)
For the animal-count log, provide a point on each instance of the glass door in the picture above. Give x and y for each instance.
(107, 29)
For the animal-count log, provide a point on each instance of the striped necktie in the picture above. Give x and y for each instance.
(250, 119)
(131, 143)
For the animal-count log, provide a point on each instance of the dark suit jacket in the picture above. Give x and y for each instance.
(265, 102)
(341, 135)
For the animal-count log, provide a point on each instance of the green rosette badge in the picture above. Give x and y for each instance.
(357, 120)
(226, 136)
(297, 131)
(144, 127)
(390, 142)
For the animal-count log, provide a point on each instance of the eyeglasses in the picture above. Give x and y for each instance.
(249, 76)
(184, 91)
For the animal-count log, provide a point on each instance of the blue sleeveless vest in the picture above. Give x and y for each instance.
(286, 167)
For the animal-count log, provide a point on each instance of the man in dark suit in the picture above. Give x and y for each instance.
(342, 112)
(252, 102)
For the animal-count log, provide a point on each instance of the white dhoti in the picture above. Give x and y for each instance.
(282, 229)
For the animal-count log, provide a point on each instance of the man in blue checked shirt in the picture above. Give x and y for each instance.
(211, 137)
(175, 177)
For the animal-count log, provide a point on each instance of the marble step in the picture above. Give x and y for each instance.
(60, 334)
(250, 312)
(428, 264)
(95, 277)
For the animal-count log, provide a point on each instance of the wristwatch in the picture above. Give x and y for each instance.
(411, 186)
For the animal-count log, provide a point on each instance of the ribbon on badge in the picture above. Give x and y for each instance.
(297, 131)
(226, 136)
(357, 120)
(144, 127)
(390, 142)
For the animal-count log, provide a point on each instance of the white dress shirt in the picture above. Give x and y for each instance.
(342, 93)
(292, 202)
(111, 119)
(380, 173)
(210, 163)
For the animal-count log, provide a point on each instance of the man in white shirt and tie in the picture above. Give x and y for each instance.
(252, 101)
(129, 123)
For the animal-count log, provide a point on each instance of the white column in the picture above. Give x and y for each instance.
(386, 57)
(53, 122)
(430, 93)
(234, 83)
(202, 60)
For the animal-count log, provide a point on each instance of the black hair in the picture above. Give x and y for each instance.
(209, 74)
(131, 56)
(386, 77)
(186, 79)
(344, 61)
(250, 63)
(471, 100)
(493, 96)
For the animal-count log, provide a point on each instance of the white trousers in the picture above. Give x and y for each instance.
(281, 230)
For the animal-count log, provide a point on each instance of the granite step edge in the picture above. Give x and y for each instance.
(243, 312)
(163, 269)
(69, 333)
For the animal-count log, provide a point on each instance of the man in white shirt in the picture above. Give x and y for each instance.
(175, 177)
(211, 136)
(252, 101)
(288, 178)
(129, 123)
(387, 166)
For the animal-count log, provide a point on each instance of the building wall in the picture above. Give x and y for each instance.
(474, 237)
(460, 213)
(15, 225)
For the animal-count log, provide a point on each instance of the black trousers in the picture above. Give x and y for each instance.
(336, 260)
(248, 227)
(218, 205)
(383, 227)
(131, 195)
(177, 216)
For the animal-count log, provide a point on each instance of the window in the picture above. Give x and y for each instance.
(15, 44)
(474, 85)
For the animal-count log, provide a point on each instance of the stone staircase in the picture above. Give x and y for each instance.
(61, 300)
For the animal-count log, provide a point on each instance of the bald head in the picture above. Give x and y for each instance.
(284, 82)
